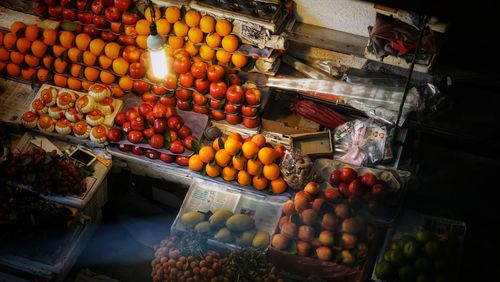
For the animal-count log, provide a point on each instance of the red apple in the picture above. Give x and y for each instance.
(136, 150)
(84, 17)
(107, 3)
(199, 99)
(160, 125)
(97, 7)
(151, 154)
(234, 79)
(251, 122)
(129, 18)
(378, 191)
(168, 101)
(55, 12)
(184, 131)
(186, 80)
(108, 36)
(123, 5)
(253, 96)
(184, 105)
(125, 147)
(188, 142)
(217, 115)
(148, 132)
(91, 30)
(199, 70)
(69, 14)
(132, 114)
(177, 147)
(356, 188)
(249, 111)
(218, 90)
(64, 3)
(120, 118)
(158, 90)
(216, 104)
(369, 179)
(159, 110)
(166, 158)
(141, 86)
(182, 64)
(156, 141)
(135, 136)
(80, 5)
(348, 174)
(200, 109)
(201, 85)
(235, 94)
(131, 54)
(233, 119)
(183, 94)
(137, 70)
(137, 124)
(112, 14)
(215, 73)
(332, 194)
(144, 109)
(335, 177)
(232, 108)
(114, 135)
(175, 123)
(182, 160)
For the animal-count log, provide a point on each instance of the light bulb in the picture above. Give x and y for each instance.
(158, 61)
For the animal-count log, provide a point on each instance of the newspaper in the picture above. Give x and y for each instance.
(15, 98)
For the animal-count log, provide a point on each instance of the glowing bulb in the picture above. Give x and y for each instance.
(158, 61)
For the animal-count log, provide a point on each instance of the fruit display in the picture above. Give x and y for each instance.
(248, 162)
(46, 172)
(152, 154)
(424, 249)
(314, 225)
(226, 227)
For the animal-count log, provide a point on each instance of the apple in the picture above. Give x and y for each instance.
(251, 122)
(136, 150)
(199, 70)
(335, 177)
(168, 101)
(217, 115)
(184, 105)
(170, 111)
(253, 96)
(166, 158)
(177, 147)
(112, 14)
(84, 17)
(149, 98)
(108, 36)
(150, 117)
(55, 12)
(348, 174)
(135, 136)
(173, 136)
(218, 90)
(171, 81)
(188, 142)
(69, 14)
(91, 30)
(131, 54)
(369, 179)
(137, 70)
(186, 80)
(232, 108)
(148, 132)
(123, 5)
(199, 99)
(151, 154)
(182, 64)
(144, 59)
(107, 3)
(145, 108)
(201, 85)
(182, 161)
(233, 119)
(356, 188)
(126, 40)
(137, 124)
(235, 94)
(175, 122)
(184, 131)
(216, 104)
(234, 79)
(183, 94)
(97, 7)
(215, 73)
(378, 191)
(156, 141)
(344, 189)
(124, 147)
(160, 125)
(332, 194)
(80, 5)
(114, 135)
(120, 118)
(249, 111)
(64, 3)
(159, 110)
(200, 109)
(115, 27)
(132, 114)
(129, 18)
(158, 90)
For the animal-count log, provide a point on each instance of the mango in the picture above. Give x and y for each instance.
(190, 219)
(246, 238)
(219, 218)
(261, 240)
(240, 223)
(203, 227)
(223, 235)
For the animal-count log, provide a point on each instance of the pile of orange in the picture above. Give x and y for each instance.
(249, 162)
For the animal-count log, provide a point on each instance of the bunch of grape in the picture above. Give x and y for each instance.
(45, 172)
(251, 265)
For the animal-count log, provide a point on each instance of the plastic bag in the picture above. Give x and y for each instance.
(298, 169)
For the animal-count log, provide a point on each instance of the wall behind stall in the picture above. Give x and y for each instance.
(350, 16)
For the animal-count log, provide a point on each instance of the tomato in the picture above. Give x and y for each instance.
(200, 109)
(149, 98)
(235, 94)
(127, 126)
(216, 104)
(217, 115)
(199, 70)
(249, 111)
(69, 14)
(218, 90)
(182, 64)
(135, 136)
(156, 141)
(159, 90)
(96, 7)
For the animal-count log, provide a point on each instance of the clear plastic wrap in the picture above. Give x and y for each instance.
(297, 169)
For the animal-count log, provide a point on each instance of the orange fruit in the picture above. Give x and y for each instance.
(47, 61)
(38, 48)
(16, 57)
(105, 62)
(117, 91)
(91, 74)
(57, 50)
(31, 60)
(278, 186)
(207, 24)
(195, 163)
(75, 70)
(232, 146)
(244, 178)
(279, 151)
(13, 70)
(66, 38)
(259, 183)
(148, 14)
(206, 53)
(120, 66)
(42, 75)
(89, 58)
(142, 41)
(60, 66)
(181, 29)
(222, 158)
(191, 48)
(259, 139)
(216, 142)
(239, 162)
(230, 43)
(235, 136)
(112, 50)
(16, 26)
(31, 32)
(254, 167)
(192, 18)
(4, 54)
(271, 171)
(28, 73)
(96, 46)
(75, 55)
(212, 170)
(213, 40)
(175, 42)
(223, 27)
(239, 60)
(49, 37)
(126, 83)
(195, 35)
(86, 84)
(9, 40)
(60, 80)
(2, 66)
(267, 156)
(162, 26)
(206, 154)
(142, 27)
(82, 41)
(107, 77)
(223, 56)
(229, 173)
(249, 149)
(74, 83)
(172, 14)
(23, 45)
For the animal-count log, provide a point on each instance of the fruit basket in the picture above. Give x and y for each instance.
(382, 204)
(231, 217)
(421, 247)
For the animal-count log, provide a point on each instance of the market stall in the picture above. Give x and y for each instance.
(288, 177)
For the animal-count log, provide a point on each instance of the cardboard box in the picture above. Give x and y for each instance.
(279, 118)
(317, 144)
